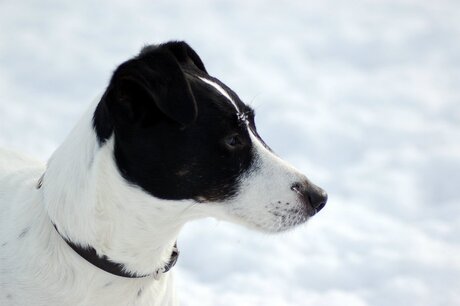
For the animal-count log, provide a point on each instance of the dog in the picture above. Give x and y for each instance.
(165, 144)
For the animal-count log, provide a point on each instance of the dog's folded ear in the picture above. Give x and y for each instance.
(148, 88)
(184, 54)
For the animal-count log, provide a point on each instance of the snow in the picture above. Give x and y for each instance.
(361, 95)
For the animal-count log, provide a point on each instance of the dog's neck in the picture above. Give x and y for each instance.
(93, 205)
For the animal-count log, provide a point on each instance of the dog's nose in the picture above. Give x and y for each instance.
(315, 196)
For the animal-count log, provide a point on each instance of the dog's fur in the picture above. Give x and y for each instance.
(165, 144)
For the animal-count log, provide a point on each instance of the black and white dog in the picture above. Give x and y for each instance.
(166, 144)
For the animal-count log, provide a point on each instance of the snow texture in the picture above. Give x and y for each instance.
(361, 95)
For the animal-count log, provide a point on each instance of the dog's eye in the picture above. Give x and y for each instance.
(233, 142)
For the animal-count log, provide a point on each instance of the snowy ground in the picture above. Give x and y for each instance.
(361, 95)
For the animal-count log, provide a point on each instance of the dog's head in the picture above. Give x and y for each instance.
(180, 134)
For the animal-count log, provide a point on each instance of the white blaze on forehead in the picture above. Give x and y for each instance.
(221, 91)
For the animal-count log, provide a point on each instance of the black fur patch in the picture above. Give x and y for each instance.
(169, 126)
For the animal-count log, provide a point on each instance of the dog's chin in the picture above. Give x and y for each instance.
(277, 228)
(276, 223)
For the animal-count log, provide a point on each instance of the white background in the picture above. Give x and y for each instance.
(363, 96)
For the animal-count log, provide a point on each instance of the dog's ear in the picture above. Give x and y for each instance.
(184, 54)
(145, 89)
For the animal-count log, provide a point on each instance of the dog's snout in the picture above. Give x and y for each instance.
(315, 196)
(318, 198)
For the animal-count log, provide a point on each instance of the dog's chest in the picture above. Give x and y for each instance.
(59, 278)
(37, 268)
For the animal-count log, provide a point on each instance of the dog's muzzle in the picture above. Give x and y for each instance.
(311, 195)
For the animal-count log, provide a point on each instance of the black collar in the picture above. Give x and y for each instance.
(104, 263)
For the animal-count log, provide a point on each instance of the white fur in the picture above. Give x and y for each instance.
(86, 197)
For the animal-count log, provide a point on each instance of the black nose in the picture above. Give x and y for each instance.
(315, 196)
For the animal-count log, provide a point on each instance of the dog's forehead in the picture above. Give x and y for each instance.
(222, 91)
(223, 95)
